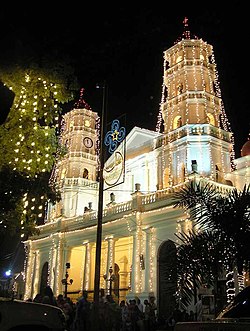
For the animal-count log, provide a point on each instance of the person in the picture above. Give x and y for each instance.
(82, 315)
(48, 296)
(147, 312)
(185, 316)
(139, 304)
(153, 312)
(67, 308)
(171, 322)
(134, 316)
(191, 316)
(113, 314)
(124, 312)
(177, 315)
(38, 298)
(102, 310)
(198, 308)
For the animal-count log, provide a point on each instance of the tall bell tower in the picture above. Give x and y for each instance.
(76, 173)
(197, 134)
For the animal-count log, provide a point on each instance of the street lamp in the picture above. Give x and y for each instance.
(110, 279)
(65, 280)
(100, 209)
(100, 202)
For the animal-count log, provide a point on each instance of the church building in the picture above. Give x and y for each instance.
(144, 169)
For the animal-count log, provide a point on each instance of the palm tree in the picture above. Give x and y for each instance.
(201, 259)
(221, 233)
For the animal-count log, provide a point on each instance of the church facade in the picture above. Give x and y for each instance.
(139, 221)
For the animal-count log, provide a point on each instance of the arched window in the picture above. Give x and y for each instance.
(85, 173)
(167, 65)
(44, 276)
(210, 119)
(179, 88)
(179, 59)
(177, 122)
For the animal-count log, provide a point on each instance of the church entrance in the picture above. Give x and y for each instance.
(167, 275)
(44, 277)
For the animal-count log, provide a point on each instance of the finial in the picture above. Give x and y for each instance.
(81, 103)
(186, 32)
(185, 22)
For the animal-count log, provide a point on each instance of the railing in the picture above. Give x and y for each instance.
(80, 181)
(192, 130)
(118, 210)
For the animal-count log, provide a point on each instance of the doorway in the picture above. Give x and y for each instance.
(167, 275)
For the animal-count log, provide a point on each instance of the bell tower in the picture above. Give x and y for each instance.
(76, 173)
(196, 130)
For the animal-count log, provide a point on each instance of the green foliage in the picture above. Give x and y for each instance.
(29, 135)
(220, 238)
(201, 259)
(29, 140)
(14, 186)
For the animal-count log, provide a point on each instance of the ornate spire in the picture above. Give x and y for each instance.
(81, 103)
(186, 34)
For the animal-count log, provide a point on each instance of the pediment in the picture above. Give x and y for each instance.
(140, 138)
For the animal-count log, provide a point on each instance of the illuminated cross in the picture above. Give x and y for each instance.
(185, 21)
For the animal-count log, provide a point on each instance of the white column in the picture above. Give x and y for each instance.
(87, 266)
(136, 282)
(110, 258)
(152, 261)
(36, 273)
(110, 255)
(53, 264)
(147, 259)
(59, 268)
(30, 257)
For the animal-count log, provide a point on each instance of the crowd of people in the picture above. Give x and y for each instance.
(178, 316)
(129, 315)
(132, 315)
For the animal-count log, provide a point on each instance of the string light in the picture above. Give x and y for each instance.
(190, 105)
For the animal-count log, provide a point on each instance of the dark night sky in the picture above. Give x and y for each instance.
(124, 45)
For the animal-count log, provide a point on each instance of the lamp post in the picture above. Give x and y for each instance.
(100, 203)
(110, 279)
(65, 280)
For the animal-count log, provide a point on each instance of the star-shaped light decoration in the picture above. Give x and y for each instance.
(114, 136)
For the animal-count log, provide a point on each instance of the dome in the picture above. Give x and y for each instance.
(245, 150)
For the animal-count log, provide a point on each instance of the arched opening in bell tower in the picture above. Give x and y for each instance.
(85, 173)
(210, 119)
(177, 122)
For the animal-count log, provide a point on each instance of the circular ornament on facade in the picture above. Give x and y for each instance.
(88, 142)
